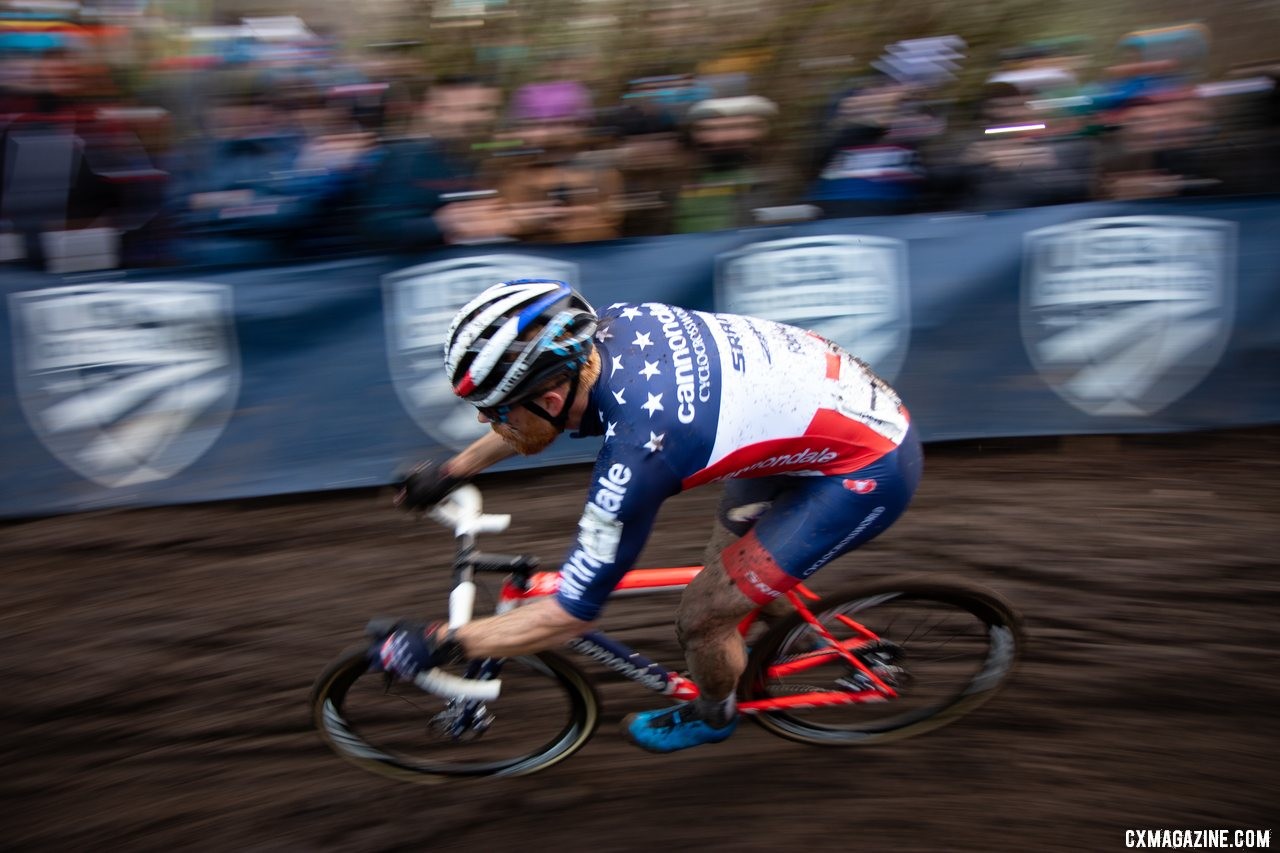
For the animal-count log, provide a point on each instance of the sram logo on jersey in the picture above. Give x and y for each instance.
(786, 460)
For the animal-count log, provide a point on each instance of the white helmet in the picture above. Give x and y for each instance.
(489, 358)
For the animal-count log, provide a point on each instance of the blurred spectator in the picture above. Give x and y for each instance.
(272, 142)
(393, 66)
(1158, 149)
(1021, 159)
(1246, 148)
(1155, 61)
(668, 94)
(868, 164)
(647, 154)
(1034, 73)
(1151, 64)
(226, 200)
(725, 138)
(424, 191)
(75, 180)
(340, 150)
(553, 189)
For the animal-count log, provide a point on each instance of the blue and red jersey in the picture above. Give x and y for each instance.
(687, 398)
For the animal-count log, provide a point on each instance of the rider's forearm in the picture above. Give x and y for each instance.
(487, 450)
(539, 625)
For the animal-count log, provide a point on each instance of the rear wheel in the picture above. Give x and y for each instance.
(546, 711)
(943, 648)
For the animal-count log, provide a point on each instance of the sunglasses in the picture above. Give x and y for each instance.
(502, 414)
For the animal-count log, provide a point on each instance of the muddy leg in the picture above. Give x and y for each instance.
(707, 627)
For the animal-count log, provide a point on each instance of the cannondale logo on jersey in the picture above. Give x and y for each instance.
(126, 383)
(421, 302)
(1124, 315)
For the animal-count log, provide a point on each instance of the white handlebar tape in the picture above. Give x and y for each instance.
(452, 687)
(462, 511)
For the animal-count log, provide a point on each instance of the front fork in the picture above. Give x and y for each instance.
(466, 719)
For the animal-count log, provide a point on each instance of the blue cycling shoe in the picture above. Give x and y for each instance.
(671, 729)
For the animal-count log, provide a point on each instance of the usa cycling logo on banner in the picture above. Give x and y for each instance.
(1124, 315)
(849, 289)
(126, 383)
(421, 302)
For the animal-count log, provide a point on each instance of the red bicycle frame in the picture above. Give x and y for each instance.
(624, 660)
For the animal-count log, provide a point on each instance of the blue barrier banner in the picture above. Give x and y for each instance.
(156, 387)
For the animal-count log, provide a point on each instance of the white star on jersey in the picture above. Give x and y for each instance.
(617, 395)
(642, 340)
(609, 430)
(654, 404)
(654, 444)
(617, 365)
(631, 313)
(650, 370)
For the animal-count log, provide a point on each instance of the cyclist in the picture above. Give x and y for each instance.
(816, 453)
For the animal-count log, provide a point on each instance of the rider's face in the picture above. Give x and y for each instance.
(524, 431)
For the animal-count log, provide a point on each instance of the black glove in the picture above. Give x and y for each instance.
(426, 485)
(413, 647)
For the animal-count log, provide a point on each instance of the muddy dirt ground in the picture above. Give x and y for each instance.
(157, 664)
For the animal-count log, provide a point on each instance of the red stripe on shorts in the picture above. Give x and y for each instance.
(755, 571)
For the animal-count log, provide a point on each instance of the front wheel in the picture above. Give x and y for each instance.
(546, 711)
(940, 648)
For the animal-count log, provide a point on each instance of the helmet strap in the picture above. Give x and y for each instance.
(558, 421)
